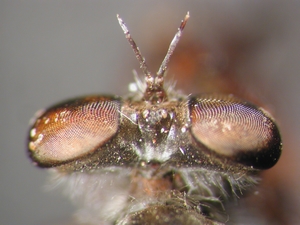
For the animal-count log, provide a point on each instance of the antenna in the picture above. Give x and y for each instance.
(164, 65)
(154, 90)
(135, 49)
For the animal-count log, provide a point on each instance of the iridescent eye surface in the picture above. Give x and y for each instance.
(72, 129)
(235, 129)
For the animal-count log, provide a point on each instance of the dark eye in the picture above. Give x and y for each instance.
(72, 129)
(235, 129)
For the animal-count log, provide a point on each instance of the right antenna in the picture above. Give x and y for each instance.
(164, 64)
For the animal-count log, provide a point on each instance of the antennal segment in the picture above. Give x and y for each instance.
(137, 52)
(164, 64)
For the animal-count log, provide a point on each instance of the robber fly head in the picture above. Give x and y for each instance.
(167, 160)
(98, 131)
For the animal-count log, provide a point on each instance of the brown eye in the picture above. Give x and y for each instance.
(235, 129)
(72, 129)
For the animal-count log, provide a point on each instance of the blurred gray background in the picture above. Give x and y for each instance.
(54, 50)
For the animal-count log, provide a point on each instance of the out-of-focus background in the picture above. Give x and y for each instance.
(54, 50)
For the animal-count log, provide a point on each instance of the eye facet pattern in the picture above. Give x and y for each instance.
(72, 129)
(235, 129)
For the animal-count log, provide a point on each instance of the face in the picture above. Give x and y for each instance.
(156, 156)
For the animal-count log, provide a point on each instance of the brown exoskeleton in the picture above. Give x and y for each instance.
(158, 156)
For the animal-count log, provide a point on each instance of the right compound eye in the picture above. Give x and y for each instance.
(235, 129)
(72, 129)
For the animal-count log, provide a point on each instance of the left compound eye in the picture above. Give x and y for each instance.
(72, 129)
(235, 129)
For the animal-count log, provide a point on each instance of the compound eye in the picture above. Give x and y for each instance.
(235, 129)
(72, 129)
